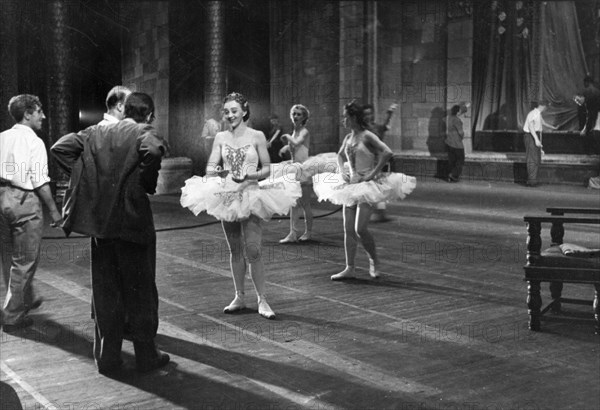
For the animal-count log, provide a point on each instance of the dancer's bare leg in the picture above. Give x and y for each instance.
(366, 239)
(252, 229)
(350, 243)
(294, 222)
(308, 214)
(233, 235)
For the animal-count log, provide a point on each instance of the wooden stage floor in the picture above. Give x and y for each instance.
(444, 328)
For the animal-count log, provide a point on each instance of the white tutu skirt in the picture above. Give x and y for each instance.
(220, 198)
(388, 187)
(303, 172)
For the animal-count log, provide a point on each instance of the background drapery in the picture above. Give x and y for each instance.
(520, 56)
(563, 63)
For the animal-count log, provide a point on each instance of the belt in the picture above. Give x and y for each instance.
(4, 182)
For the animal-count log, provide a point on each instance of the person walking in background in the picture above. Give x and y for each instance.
(454, 142)
(112, 170)
(23, 188)
(115, 105)
(533, 141)
(361, 187)
(234, 195)
(379, 214)
(298, 145)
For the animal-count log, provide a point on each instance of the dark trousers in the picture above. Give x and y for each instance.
(456, 160)
(533, 158)
(123, 284)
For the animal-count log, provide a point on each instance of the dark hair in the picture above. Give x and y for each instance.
(356, 111)
(368, 107)
(116, 95)
(241, 100)
(455, 109)
(138, 106)
(20, 104)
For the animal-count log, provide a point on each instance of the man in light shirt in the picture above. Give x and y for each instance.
(115, 105)
(23, 187)
(533, 141)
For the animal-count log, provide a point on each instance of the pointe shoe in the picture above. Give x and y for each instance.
(291, 238)
(264, 309)
(373, 271)
(236, 304)
(306, 237)
(347, 273)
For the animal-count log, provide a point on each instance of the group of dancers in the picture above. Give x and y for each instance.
(114, 165)
(242, 189)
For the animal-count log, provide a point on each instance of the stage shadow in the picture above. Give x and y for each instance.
(333, 387)
(181, 387)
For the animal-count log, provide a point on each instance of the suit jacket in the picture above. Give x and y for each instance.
(112, 168)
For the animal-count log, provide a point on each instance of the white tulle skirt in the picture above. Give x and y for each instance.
(221, 198)
(303, 172)
(387, 187)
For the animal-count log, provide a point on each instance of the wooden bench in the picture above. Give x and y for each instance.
(552, 266)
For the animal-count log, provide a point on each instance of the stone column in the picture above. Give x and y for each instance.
(8, 57)
(460, 62)
(215, 77)
(60, 106)
(370, 49)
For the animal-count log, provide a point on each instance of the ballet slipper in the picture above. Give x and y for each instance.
(373, 271)
(306, 237)
(347, 273)
(291, 238)
(264, 309)
(236, 304)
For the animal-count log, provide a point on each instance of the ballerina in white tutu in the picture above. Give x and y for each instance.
(298, 145)
(233, 194)
(359, 186)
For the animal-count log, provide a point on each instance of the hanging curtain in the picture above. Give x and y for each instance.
(563, 63)
(505, 81)
(502, 64)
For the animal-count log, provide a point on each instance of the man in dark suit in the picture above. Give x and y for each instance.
(112, 168)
